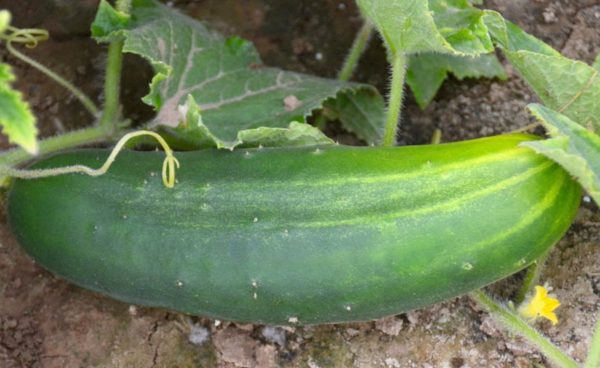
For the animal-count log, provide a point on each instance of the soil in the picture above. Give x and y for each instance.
(47, 322)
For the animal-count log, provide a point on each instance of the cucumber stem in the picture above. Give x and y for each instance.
(112, 82)
(75, 138)
(516, 324)
(112, 85)
(593, 358)
(358, 48)
(531, 279)
(436, 137)
(399, 61)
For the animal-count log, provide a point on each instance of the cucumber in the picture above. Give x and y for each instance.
(297, 235)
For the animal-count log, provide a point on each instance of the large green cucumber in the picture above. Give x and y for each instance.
(297, 235)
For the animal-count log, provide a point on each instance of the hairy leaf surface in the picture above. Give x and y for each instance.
(568, 86)
(233, 90)
(415, 26)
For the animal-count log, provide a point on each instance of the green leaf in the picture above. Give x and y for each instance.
(226, 78)
(415, 26)
(192, 133)
(596, 64)
(573, 147)
(296, 134)
(427, 72)
(569, 86)
(108, 21)
(512, 38)
(356, 111)
(16, 119)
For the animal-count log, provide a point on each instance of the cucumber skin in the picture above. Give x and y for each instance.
(297, 235)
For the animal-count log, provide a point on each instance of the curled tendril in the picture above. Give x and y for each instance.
(170, 164)
(31, 37)
(28, 36)
(168, 170)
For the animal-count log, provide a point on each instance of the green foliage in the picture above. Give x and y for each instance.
(415, 26)
(226, 79)
(108, 20)
(427, 72)
(575, 148)
(192, 133)
(439, 36)
(16, 119)
(356, 113)
(568, 86)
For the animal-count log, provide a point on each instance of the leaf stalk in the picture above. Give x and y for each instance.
(399, 63)
(516, 324)
(358, 48)
(75, 138)
(593, 358)
(532, 277)
(112, 86)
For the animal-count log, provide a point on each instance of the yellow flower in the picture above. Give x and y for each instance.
(540, 305)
